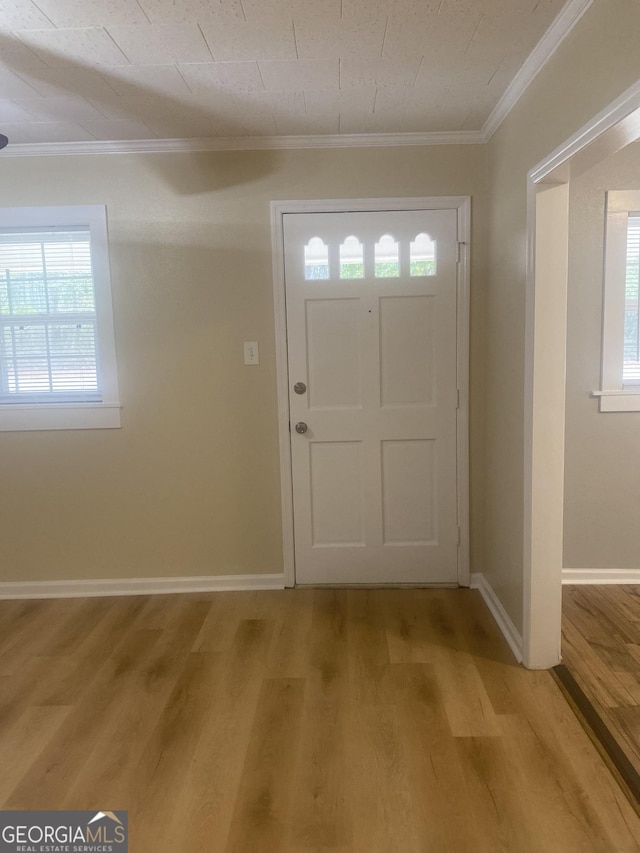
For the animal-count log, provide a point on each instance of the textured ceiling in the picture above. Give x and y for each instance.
(76, 70)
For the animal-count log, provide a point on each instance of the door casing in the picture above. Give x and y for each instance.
(462, 205)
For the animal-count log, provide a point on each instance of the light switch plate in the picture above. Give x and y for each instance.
(251, 352)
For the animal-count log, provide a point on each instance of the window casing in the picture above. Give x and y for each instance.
(620, 379)
(57, 349)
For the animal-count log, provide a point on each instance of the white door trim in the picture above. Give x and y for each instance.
(545, 351)
(462, 204)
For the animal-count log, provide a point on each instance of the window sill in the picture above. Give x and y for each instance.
(618, 401)
(49, 416)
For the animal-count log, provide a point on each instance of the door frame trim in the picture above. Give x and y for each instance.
(462, 206)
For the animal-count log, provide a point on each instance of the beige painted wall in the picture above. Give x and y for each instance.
(190, 484)
(597, 62)
(602, 495)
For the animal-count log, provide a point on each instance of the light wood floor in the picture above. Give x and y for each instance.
(601, 647)
(384, 721)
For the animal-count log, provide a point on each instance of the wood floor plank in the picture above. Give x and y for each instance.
(607, 714)
(23, 644)
(605, 685)
(203, 808)
(17, 617)
(467, 703)
(628, 721)
(611, 607)
(78, 629)
(71, 674)
(260, 820)
(368, 649)
(607, 670)
(23, 742)
(159, 773)
(64, 761)
(631, 681)
(44, 680)
(219, 629)
(289, 654)
(49, 778)
(154, 613)
(569, 823)
(499, 810)
(406, 628)
(26, 684)
(435, 773)
(617, 658)
(320, 813)
(553, 722)
(441, 633)
(586, 614)
(624, 598)
(383, 800)
(124, 736)
(341, 721)
(492, 657)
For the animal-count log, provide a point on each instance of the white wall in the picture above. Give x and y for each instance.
(602, 449)
(597, 62)
(190, 484)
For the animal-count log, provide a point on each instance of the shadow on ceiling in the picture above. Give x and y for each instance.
(206, 171)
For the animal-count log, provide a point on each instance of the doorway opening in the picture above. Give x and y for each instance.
(545, 366)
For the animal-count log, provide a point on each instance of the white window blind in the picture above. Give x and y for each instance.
(620, 377)
(48, 335)
(631, 366)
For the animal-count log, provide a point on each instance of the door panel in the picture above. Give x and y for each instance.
(406, 338)
(336, 493)
(408, 492)
(371, 331)
(333, 353)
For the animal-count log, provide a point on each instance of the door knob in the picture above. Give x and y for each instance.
(301, 427)
(299, 387)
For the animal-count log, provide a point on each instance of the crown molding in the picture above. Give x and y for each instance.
(243, 143)
(624, 107)
(535, 62)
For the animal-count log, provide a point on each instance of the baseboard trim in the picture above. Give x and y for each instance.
(138, 586)
(502, 618)
(600, 576)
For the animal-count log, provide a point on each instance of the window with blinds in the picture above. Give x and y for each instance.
(48, 339)
(631, 366)
(620, 374)
(58, 366)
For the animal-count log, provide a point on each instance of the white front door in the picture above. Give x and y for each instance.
(371, 328)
